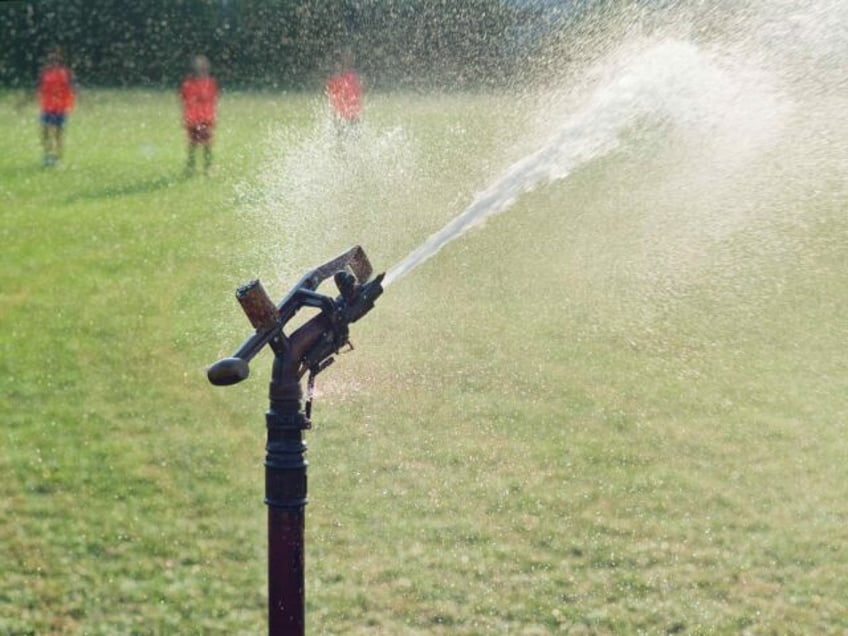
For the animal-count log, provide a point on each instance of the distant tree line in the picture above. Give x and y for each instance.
(273, 43)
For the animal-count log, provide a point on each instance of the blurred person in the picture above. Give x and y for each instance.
(199, 96)
(344, 92)
(56, 96)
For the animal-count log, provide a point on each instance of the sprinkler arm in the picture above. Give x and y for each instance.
(312, 345)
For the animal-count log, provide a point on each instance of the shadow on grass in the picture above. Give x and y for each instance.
(10, 173)
(139, 187)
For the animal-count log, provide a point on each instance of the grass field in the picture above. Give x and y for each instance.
(593, 415)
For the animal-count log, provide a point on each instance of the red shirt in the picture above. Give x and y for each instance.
(345, 93)
(55, 91)
(199, 96)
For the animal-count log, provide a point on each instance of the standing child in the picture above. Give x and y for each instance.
(56, 97)
(344, 92)
(199, 95)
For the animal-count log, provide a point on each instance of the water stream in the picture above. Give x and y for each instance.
(671, 82)
(736, 110)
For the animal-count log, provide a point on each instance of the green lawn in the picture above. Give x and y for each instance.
(603, 412)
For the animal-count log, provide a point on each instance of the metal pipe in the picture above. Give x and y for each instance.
(285, 496)
(286, 482)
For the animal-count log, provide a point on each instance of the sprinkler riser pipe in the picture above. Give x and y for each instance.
(285, 496)
(285, 464)
(286, 593)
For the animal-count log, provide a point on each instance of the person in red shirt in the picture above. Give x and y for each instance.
(56, 98)
(344, 92)
(199, 96)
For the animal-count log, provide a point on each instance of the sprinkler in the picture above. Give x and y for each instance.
(310, 348)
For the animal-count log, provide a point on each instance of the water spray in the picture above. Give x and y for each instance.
(309, 348)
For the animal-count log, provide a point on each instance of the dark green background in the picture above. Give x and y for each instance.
(275, 43)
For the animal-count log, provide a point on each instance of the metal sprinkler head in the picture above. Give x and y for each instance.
(311, 346)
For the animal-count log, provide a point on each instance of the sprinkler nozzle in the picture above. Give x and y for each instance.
(364, 298)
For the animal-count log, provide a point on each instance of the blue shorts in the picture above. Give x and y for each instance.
(53, 119)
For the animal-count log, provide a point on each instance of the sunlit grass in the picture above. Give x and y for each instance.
(528, 438)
